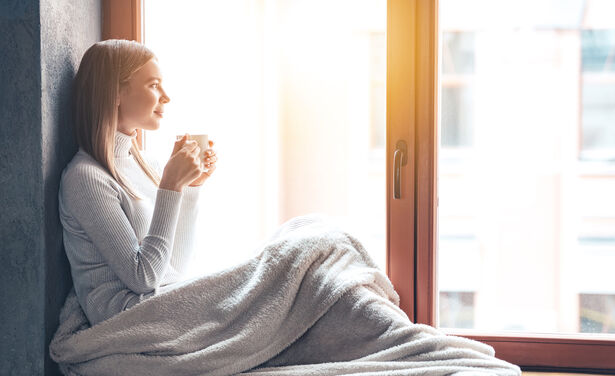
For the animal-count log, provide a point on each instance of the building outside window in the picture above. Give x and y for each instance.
(527, 166)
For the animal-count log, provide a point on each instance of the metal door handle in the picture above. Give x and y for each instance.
(400, 158)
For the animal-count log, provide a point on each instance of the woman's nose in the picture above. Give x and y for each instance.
(164, 98)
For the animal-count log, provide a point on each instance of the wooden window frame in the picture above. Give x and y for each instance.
(412, 268)
(412, 31)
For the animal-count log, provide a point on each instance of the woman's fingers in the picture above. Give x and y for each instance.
(192, 153)
(190, 145)
(210, 158)
(185, 145)
(191, 149)
(179, 144)
(187, 164)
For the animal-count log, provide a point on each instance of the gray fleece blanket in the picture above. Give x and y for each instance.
(312, 302)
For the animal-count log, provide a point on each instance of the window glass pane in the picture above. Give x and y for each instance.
(464, 15)
(377, 73)
(598, 114)
(526, 168)
(597, 313)
(457, 309)
(598, 94)
(456, 116)
(598, 50)
(293, 94)
(459, 56)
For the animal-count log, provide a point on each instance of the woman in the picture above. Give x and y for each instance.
(311, 302)
(127, 230)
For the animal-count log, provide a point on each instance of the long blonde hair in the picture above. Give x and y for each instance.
(104, 68)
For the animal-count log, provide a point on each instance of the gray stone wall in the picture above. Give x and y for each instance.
(41, 42)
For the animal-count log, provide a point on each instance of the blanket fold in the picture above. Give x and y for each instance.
(311, 302)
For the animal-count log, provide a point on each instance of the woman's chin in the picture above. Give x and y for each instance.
(153, 126)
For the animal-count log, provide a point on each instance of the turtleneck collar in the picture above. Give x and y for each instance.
(123, 143)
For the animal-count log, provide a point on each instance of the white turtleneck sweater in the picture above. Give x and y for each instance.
(123, 250)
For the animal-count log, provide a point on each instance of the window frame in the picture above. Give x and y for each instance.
(531, 352)
(412, 29)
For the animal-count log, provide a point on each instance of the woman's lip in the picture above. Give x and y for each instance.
(158, 113)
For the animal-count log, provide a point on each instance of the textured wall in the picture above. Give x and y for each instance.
(41, 42)
(68, 28)
(22, 270)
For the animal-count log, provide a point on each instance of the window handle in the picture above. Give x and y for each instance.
(400, 159)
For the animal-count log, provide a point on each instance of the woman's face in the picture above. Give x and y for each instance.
(142, 100)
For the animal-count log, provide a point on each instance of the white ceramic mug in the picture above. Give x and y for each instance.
(203, 141)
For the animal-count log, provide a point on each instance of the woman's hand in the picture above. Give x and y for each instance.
(209, 161)
(183, 167)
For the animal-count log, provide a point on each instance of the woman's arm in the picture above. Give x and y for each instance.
(94, 200)
(185, 234)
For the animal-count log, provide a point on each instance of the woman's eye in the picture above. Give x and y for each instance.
(155, 86)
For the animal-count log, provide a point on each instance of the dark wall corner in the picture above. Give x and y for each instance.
(21, 222)
(41, 43)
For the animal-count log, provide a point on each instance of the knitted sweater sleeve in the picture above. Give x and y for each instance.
(183, 245)
(95, 202)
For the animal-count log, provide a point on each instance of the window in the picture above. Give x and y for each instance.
(511, 78)
(497, 251)
(293, 94)
(412, 227)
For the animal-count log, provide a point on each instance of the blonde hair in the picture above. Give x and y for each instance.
(104, 68)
